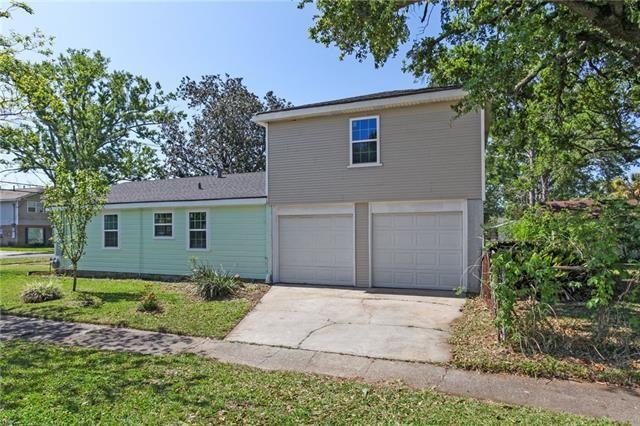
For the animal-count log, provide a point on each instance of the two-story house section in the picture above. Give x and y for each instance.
(382, 190)
(23, 220)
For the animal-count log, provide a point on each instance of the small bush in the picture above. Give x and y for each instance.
(213, 284)
(41, 292)
(149, 303)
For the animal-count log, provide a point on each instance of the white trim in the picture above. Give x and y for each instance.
(117, 230)
(482, 153)
(355, 278)
(417, 206)
(206, 230)
(360, 165)
(313, 209)
(436, 206)
(266, 160)
(370, 246)
(261, 201)
(153, 224)
(361, 106)
(305, 210)
(377, 139)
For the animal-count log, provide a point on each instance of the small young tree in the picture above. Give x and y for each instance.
(76, 198)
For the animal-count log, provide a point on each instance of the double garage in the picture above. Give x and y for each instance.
(410, 245)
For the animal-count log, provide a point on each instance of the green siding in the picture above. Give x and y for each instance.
(238, 241)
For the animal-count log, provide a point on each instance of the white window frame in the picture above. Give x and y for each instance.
(206, 230)
(351, 142)
(153, 224)
(117, 230)
(37, 206)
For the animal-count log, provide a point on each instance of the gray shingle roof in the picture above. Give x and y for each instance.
(379, 95)
(12, 195)
(241, 185)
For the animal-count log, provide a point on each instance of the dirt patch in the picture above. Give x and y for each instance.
(475, 346)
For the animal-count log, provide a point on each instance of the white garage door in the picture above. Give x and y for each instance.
(417, 250)
(316, 249)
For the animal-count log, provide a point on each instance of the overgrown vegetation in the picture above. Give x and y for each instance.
(211, 283)
(41, 292)
(149, 302)
(475, 346)
(584, 259)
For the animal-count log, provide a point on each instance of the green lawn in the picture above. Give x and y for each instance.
(116, 302)
(46, 385)
(23, 260)
(45, 250)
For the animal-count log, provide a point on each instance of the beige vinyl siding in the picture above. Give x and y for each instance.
(362, 244)
(426, 155)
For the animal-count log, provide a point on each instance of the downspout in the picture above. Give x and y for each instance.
(140, 246)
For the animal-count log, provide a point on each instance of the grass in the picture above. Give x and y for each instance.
(115, 302)
(475, 346)
(43, 250)
(22, 260)
(46, 385)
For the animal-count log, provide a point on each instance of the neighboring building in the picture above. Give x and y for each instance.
(156, 227)
(383, 190)
(23, 220)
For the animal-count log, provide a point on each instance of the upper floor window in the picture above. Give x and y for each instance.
(365, 141)
(197, 230)
(110, 230)
(35, 207)
(163, 225)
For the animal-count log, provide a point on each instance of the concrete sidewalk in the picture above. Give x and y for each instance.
(595, 400)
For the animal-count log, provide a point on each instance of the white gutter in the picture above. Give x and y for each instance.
(197, 203)
(360, 106)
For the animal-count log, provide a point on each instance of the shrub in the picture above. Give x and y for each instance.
(149, 303)
(41, 292)
(587, 255)
(212, 284)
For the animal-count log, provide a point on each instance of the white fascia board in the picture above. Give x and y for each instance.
(360, 106)
(197, 203)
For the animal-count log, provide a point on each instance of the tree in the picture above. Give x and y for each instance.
(219, 135)
(11, 45)
(75, 199)
(78, 112)
(629, 189)
(561, 78)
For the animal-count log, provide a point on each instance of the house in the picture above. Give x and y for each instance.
(156, 227)
(382, 190)
(23, 220)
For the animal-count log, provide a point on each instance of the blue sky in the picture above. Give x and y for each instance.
(266, 43)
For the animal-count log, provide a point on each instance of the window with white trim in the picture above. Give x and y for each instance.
(197, 230)
(110, 230)
(35, 207)
(364, 140)
(163, 225)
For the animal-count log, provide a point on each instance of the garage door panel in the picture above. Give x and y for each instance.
(316, 249)
(426, 240)
(417, 250)
(449, 240)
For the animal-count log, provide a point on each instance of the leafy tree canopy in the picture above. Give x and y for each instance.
(219, 133)
(561, 79)
(76, 111)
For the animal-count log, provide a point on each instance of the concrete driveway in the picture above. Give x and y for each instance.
(349, 321)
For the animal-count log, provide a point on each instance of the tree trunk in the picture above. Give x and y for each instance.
(75, 275)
